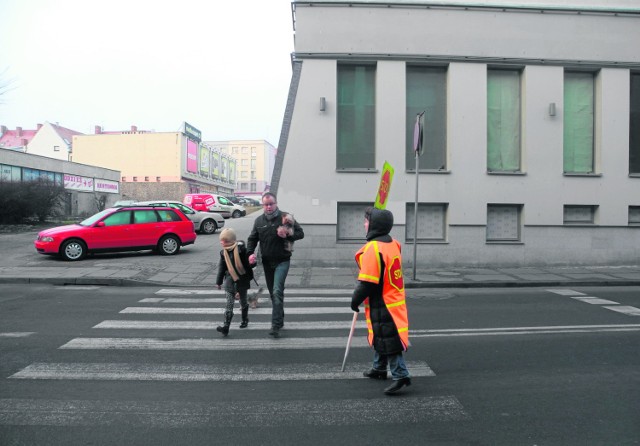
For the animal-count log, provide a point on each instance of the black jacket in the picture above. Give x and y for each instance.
(244, 281)
(265, 231)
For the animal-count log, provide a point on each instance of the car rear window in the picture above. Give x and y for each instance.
(168, 215)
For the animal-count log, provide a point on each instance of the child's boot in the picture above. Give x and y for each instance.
(245, 317)
(224, 329)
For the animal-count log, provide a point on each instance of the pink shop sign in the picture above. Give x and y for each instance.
(74, 182)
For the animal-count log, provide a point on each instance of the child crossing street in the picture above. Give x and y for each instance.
(236, 273)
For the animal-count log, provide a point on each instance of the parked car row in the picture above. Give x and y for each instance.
(214, 203)
(161, 225)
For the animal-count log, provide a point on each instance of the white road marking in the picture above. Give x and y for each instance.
(595, 300)
(210, 310)
(203, 325)
(282, 343)
(17, 334)
(203, 372)
(78, 287)
(177, 414)
(631, 311)
(297, 292)
(523, 330)
(609, 304)
(223, 300)
(566, 292)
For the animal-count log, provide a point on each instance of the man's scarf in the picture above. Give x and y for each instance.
(236, 270)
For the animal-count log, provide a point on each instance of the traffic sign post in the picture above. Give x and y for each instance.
(418, 130)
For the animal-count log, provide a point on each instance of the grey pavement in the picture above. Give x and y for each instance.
(195, 266)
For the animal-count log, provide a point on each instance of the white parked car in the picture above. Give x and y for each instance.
(203, 221)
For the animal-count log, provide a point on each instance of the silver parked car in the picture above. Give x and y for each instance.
(204, 222)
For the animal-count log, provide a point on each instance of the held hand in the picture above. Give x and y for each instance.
(282, 232)
(252, 259)
(237, 296)
(219, 287)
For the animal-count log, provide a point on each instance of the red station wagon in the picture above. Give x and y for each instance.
(129, 228)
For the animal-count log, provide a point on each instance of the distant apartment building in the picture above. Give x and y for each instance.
(531, 129)
(255, 160)
(158, 165)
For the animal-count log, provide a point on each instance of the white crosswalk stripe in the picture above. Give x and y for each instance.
(201, 372)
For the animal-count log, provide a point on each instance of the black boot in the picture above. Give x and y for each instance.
(375, 374)
(224, 329)
(245, 318)
(397, 385)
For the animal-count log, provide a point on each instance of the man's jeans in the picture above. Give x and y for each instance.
(396, 364)
(275, 277)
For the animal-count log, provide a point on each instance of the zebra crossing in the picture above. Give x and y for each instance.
(165, 321)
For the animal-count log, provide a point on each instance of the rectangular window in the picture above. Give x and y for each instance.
(253, 164)
(503, 120)
(56, 148)
(578, 122)
(432, 226)
(579, 214)
(427, 92)
(351, 222)
(244, 162)
(146, 178)
(634, 215)
(158, 179)
(634, 125)
(356, 117)
(145, 216)
(504, 222)
(253, 187)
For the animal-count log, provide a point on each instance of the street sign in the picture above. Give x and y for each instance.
(384, 187)
(417, 134)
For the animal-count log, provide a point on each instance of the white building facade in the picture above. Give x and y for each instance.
(531, 129)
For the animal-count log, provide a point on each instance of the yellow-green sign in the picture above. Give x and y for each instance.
(384, 187)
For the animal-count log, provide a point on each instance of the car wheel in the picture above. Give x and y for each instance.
(236, 214)
(73, 250)
(208, 226)
(169, 245)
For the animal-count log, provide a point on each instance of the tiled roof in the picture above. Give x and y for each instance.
(15, 138)
(66, 134)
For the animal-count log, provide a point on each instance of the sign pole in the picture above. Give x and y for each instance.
(353, 326)
(417, 147)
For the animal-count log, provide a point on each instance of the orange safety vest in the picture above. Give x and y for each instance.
(368, 260)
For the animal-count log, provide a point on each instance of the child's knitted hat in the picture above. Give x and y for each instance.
(228, 235)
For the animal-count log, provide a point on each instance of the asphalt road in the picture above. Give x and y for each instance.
(145, 366)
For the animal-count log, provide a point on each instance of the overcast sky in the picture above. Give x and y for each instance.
(221, 65)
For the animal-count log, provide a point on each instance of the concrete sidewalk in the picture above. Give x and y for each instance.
(196, 265)
(118, 273)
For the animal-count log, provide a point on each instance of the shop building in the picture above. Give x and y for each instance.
(159, 165)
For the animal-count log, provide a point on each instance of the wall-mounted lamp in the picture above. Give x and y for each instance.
(323, 104)
(552, 109)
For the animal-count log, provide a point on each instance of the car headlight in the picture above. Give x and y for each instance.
(46, 239)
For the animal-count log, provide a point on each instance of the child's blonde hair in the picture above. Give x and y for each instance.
(228, 235)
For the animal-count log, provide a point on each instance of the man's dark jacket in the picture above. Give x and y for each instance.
(265, 231)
